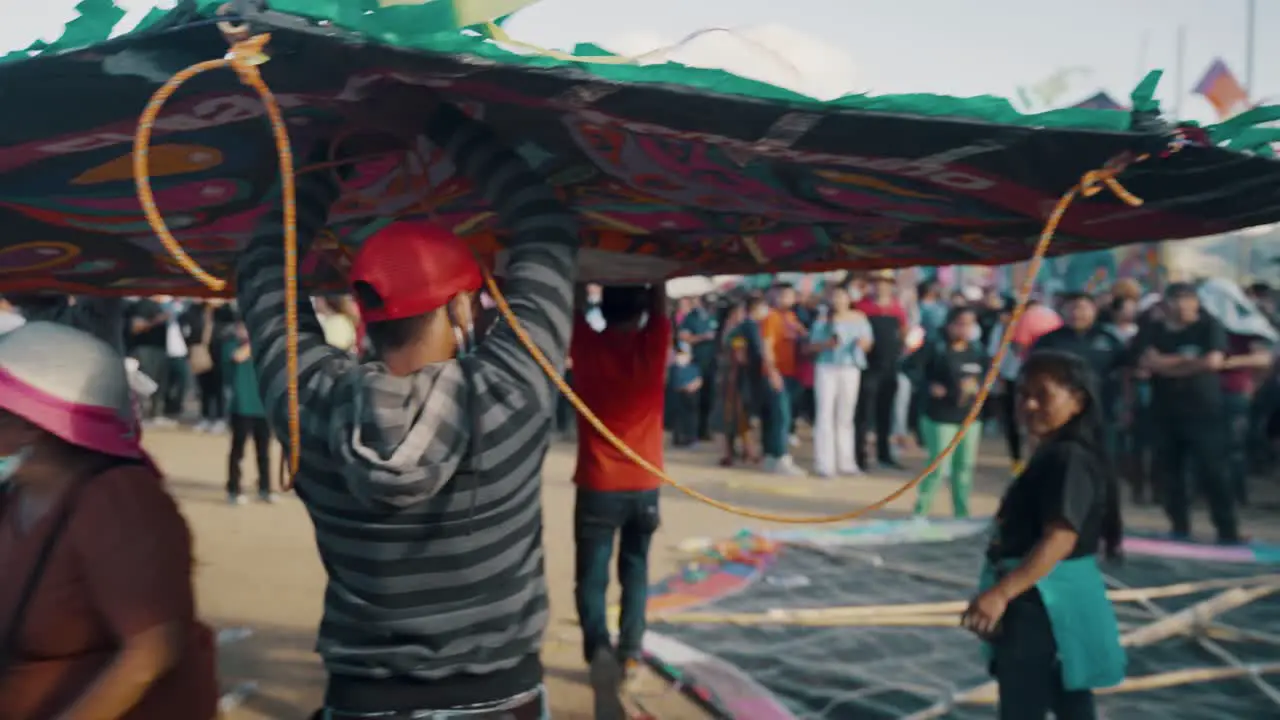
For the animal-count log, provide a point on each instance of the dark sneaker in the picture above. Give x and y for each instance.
(606, 684)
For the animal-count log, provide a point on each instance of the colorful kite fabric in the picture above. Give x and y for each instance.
(672, 170)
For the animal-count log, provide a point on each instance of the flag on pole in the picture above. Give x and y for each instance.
(1223, 91)
(1047, 92)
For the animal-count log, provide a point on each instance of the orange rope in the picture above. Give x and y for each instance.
(1091, 184)
(245, 55)
(244, 58)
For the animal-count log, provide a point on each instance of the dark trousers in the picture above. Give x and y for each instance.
(213, 396)
(775, 424)
(242, 428)
(1196, 448)
(1141, 466)
(1026, 667)
(154, 363)
(685, 416)
(706, 398)
(597, 517)
(875, 412)
(176, 384)
(1008, 416)
(1264, 405)
(1236, 407)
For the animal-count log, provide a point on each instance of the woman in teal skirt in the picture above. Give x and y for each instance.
(1051, 633)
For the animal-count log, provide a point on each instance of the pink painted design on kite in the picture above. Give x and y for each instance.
(785, 243)
(663, 220)
(697, 169)
(241, 223)
(179, 198)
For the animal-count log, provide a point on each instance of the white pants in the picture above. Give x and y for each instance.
(835, 397)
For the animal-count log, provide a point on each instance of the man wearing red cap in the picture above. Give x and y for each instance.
(421, 472)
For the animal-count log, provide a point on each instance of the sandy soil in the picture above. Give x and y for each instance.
(257, 566)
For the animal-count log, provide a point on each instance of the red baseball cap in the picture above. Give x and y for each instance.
(413, 268)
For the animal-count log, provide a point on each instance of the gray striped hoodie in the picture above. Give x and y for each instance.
(425, 490)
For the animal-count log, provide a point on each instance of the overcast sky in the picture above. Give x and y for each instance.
(828, 47)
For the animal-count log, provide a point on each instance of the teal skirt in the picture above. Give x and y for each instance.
(1083, 619)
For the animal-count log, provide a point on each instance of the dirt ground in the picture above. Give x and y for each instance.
(257, 566)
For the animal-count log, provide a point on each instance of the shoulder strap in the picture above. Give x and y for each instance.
(9, 643)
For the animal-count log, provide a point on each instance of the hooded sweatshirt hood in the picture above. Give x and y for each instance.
(401, 439)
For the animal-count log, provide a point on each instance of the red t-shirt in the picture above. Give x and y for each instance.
(1241, 380)
(621, 376)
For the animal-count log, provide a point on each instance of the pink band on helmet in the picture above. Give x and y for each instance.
(87, 426)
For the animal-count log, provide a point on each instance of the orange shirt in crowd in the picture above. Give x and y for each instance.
(780, 330)
(122, 566)
(621, 376)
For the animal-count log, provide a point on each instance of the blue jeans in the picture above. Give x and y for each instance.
(597, 517)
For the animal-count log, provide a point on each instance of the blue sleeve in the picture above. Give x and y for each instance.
(862, 329)
(687, 325)
(821, 332)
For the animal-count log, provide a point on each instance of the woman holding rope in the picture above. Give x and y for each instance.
(1052, 635)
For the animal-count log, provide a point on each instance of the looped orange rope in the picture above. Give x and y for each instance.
(244, 58)
(1090, 184)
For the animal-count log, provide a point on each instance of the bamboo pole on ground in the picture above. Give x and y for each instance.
(1174, 624)
(872, 615)
(1203, 639)
(986, 694)
(1196, 615)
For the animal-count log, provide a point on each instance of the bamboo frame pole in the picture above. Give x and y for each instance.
(1195, 615)
(1208, 645)
(882, 614)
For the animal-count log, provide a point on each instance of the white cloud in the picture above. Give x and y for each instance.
(775, 54)
(46, 20)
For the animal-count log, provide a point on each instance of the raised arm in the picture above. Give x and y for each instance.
(260, 295)
(542, 248)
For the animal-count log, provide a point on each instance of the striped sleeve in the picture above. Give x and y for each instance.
(260, 296)
(541, 252)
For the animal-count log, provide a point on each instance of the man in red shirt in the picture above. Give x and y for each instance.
(620, 373)
(888, 322)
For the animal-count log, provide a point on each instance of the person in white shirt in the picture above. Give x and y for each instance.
(336, 322)
(10, 318)
(178, 378)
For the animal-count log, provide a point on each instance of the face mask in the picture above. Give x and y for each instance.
(10, 464)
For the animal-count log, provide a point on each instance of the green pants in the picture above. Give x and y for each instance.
(958, 468)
